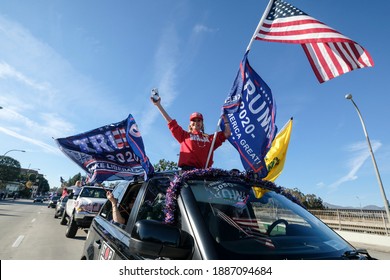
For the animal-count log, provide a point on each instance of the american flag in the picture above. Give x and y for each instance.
(248, 226)
(330, 53)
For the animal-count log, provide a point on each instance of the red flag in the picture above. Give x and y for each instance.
(330, 53)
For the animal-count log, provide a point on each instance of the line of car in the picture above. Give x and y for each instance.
(57, 202)
(60, 206)
(77, 208)
(82, 206)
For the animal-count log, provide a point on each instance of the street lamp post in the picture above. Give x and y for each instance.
(23, 151)
(2, 157)
(386, 202)
(360, 203)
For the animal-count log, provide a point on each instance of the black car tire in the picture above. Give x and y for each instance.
(63, 221)
(72, 228)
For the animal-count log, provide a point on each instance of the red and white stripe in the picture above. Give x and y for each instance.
(330, 53)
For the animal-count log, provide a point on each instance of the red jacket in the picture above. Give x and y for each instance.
(194, 147)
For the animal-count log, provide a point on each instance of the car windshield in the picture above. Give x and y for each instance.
(93, 192)
(248, 221)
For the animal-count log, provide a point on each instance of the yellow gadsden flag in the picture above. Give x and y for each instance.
(276, 156)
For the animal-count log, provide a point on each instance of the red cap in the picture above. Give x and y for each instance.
(196, 115)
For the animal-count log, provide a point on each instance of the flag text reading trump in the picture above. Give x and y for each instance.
(251, 113)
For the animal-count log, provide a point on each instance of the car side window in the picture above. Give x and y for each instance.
(126, 204)
(153, 203)
(126, 196)
(106, 211)
(118, 193)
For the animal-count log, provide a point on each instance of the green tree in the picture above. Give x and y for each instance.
(310, 201)
(27, 179)
(25, 192)
(32, 177)
(43, 184)
(72, 180)
(314, 202)
(9, 169)
(165, 165)
(298, 194)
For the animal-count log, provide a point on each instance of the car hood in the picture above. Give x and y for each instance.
(90, 200)
(90, 204)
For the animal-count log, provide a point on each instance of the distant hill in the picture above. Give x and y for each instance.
(373, 207)
(368, 207)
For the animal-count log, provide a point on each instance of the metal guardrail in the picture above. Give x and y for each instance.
(362, 221)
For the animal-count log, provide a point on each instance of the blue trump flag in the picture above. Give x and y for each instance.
(251, 111)
(111, 152)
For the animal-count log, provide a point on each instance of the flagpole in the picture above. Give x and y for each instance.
(260, 23)
(247, 49)
(213, 142)
(291, 119)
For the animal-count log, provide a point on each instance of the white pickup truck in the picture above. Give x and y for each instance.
(82, 206)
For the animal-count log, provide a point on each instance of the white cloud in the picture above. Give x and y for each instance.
(360, 153)
(49, 125)
(43, 145)
(200, 28)
(7, 71)
(165, 70)
(42, 95)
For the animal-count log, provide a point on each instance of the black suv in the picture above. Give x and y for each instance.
(212, 214)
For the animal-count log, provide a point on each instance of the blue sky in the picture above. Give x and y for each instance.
(67, 67)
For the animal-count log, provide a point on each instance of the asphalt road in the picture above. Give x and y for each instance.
(29, 231)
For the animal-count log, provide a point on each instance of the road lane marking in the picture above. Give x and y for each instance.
(18, 241)
(33, 220)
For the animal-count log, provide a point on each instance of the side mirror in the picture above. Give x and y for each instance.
(154, 239)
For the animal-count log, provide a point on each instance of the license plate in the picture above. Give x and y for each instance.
(106, 253)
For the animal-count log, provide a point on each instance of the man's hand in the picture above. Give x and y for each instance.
(111, 197)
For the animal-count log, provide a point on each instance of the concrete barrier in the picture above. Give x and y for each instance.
(380, 242)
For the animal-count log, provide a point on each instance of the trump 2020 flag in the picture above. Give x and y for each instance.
(251, 111)
(111, 152)
(276, 156)
(330, 53)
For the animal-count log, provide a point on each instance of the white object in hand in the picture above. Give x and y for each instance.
(155, 95)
